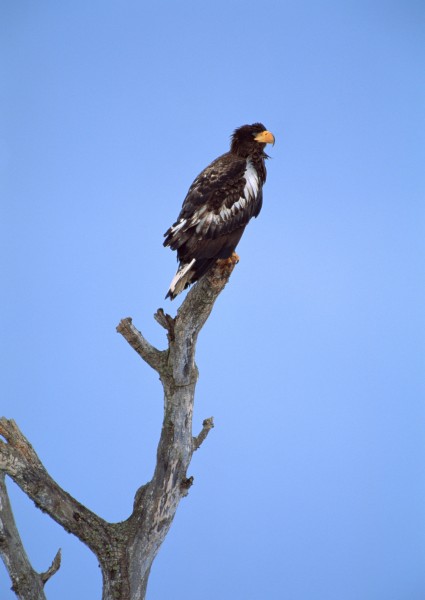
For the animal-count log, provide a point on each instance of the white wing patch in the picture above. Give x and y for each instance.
(252, 184)
(204, 222)
(202, 219)
(225, 213)
(179, 225)
(241, 203)
(250, 192)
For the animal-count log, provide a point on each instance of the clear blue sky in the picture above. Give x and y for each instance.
(312, 484)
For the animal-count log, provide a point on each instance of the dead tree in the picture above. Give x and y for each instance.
(125, 550)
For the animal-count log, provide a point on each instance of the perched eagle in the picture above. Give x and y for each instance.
(218, 206)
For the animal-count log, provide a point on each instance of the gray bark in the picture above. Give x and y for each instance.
(26, 582)
(125, 550)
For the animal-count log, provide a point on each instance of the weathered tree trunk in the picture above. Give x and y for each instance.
(125, 550)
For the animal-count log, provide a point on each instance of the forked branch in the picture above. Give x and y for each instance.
(26, 582)
(125, 550)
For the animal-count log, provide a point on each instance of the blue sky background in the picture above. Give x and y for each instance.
(312, 485)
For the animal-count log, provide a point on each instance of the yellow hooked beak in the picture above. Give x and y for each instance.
(265, 137)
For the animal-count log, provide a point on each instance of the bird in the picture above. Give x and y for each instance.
(218, 206)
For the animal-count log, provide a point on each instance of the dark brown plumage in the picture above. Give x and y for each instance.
(218, 206)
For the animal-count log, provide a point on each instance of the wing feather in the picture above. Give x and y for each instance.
(221, 200)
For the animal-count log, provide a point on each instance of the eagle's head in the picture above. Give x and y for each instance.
(250, 139)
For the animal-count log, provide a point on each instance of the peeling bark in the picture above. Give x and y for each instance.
(125, 550)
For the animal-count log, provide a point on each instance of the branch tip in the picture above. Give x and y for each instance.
(150, 354)
(127, 321)
(166, 321)
(54, 568)
(207, 425)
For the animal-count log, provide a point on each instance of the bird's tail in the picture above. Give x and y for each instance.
(181, 280)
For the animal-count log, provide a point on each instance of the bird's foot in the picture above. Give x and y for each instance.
(222, 270)
(226, 263)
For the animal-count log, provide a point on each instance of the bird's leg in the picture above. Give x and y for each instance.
(225, 263)
(222, 270)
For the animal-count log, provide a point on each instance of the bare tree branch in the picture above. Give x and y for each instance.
(154, 358)
(207, 425)
(19, 460)
(166, 321)
(126, 550)
(26, 582)
(156, 503)
(54, 568)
